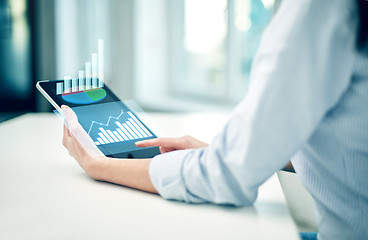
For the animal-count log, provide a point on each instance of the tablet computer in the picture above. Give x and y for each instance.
(112, 125)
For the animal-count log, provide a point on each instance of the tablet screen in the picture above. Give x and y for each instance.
(108, 121)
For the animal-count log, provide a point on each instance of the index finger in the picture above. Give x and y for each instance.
(158, 142)
(71, 118)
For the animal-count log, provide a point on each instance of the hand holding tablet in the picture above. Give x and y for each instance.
(73, 128)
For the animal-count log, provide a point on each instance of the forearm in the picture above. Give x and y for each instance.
(132, 173)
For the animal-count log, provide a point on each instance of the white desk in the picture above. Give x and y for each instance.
(44, 194)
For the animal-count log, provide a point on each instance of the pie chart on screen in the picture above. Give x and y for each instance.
(85, 96)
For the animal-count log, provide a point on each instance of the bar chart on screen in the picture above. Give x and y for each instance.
(87, 88)
(116, 130)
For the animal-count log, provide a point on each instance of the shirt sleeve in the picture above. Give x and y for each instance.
(303, 67)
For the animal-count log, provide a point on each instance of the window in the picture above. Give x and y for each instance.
(213, 44)
(87, 21)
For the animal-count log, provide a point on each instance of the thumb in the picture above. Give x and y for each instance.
(70, 116)
(78, 132)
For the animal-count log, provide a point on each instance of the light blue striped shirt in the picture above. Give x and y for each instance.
(308, 101)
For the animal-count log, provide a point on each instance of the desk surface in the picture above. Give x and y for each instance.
(44, 194)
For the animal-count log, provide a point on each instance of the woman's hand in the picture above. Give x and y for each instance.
(83, 156)
(133, 173)
(172, 144)
(76, 150)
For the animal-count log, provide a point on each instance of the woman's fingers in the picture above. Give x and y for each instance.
(160, 142)
(71, 117)
(172, 144)
(66, 132)
(147, 143)
(65, 135)
(73, 128)
(165, 144)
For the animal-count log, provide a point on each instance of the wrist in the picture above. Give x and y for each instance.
(93, 167)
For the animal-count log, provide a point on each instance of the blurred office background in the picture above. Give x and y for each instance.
(167, 55)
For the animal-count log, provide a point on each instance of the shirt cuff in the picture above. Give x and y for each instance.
(166, 174)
